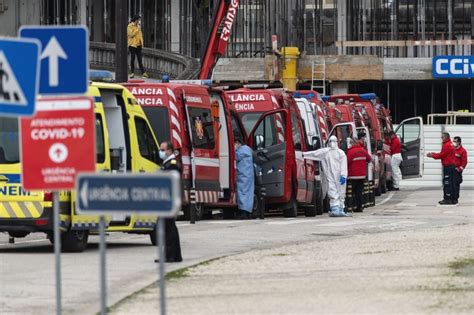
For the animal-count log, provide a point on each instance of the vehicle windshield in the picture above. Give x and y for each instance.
(249, 120)
(9, 141)
(159, 121)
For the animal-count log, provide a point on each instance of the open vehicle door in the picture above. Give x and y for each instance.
(271, 154)
(204, 154)
(410, 133)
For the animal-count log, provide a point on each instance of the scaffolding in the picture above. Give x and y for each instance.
(316, 27)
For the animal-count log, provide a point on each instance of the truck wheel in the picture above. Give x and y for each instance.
(153, 235)
(74, 241)
(228, 214)
(292, 211)
(196, 209)
(18, 234)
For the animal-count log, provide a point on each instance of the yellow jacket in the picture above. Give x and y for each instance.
(134, 35)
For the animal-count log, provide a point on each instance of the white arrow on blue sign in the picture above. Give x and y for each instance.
(105, 194)
(64, 58)
(19, 76)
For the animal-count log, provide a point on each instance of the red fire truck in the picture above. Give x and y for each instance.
(199, 123)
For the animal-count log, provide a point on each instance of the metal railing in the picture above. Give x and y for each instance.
(406, 48)
(156, 62)
(450, 117)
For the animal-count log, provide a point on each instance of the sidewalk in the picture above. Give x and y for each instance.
(425, 270)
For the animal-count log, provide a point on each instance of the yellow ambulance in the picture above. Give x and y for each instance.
(124, 143)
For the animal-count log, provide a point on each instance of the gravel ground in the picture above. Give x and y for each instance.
(398, 272)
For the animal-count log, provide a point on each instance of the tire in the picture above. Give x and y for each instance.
(207, 215)
(292, 211)
(199, 211)
(74, 241)
(18, 234)
(153, 237)
(228, 214)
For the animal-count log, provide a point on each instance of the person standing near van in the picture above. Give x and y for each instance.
(460, 163)
(135, 44)
(448, 161)
(245, 179)
(173, 246)
(357, 159)
(396, 160)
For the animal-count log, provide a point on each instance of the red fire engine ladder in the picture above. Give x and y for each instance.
(221, 27)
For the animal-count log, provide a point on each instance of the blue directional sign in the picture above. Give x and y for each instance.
(453, 67)
(157, 193)
(64, 58)
(19, 76)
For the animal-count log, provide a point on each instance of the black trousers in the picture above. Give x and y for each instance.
(358, 192)
(457, 184)
(449, 185)
(136, 51)
(173, 246)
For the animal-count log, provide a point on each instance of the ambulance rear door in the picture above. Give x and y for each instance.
(410, 133)
(204, 157)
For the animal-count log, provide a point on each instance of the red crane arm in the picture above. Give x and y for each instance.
(223, 20)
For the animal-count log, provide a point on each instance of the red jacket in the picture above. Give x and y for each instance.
(395, 145)
(446, 155)
(357, 159)
(460, 155)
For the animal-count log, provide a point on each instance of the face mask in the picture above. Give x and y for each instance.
(163, 155)
(332, 145)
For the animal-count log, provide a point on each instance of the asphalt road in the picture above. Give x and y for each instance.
(27, 267)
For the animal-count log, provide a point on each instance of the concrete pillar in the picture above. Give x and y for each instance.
(340, 87)
(341, 24)
(98, 21)
(82, 12)
(175, 26)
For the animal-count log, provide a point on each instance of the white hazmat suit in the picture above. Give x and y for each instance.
(334, 163)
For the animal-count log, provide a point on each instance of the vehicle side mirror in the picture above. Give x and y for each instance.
(379, 145)
(259, 141)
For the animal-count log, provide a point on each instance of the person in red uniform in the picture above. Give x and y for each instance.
(448, 161)
(357, 159)
(396, 160)
(460, 155)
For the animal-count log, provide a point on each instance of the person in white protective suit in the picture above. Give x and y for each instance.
(334, 163)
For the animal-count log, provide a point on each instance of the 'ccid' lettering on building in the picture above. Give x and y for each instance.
(453, 67)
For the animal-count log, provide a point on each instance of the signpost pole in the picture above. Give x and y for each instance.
(162, 257)
(57, 250)
(103, 285)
